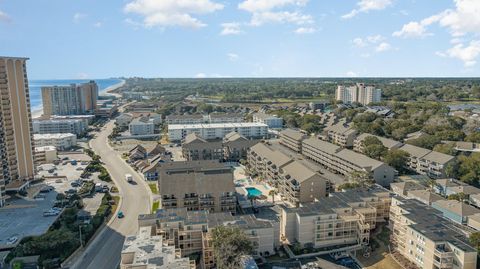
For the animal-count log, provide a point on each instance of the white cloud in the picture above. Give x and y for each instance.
(77, 17)
(82, 75)
(369, 40)
(281, 17)
(466, 53)
(233, 56)
(98, 24)
(201, 75)
(305, 30)
(167, 13)
(351, 74)
(276, 11)
(366, 6)
(231, 28)
(384, 46)
(4, 17)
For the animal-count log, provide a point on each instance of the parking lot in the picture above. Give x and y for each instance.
(25, 217)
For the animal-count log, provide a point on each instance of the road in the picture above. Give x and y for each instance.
(104, 252)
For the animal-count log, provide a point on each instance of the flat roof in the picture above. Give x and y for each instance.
(215, 125)
(52, 136)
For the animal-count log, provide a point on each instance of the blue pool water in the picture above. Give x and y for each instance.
(253, 192)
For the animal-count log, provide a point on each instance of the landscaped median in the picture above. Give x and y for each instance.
(63, 237)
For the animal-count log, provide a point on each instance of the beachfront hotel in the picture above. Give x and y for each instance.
(16, 141)
(70, 100)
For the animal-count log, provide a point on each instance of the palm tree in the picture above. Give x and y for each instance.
(272, 193)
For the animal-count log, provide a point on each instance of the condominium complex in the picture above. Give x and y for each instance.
(427, 162)
(386, 142)
(346, 161)
(292, 139)
(210, 131)
(53, 126)
(272, 121)
(196, 185)
(46, 154)
(235, 147)
(16, 143)
(195, 148)
(359, 93)
(344, 218)
(141, 126)
(426, 239)
(341, 134)
(70, 100)
(60, 141)
(190, 231)
(296, 182)
(199, 119)
(149, 251)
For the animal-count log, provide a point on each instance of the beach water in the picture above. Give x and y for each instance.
(36, 88)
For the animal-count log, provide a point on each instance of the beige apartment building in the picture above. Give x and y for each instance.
(190, 231)
(344, 218)
(196, 185)
(359, 93)
(341, 134)
(70, 100)
(195, 148)
(146, 250)
(344, 161)
(235, 147)
(266, 163)
(427, 162)
(388, 143)
(426, 239)
(292, 139)
(16, 143)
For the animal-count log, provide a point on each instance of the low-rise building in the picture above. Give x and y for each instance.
(196, 185)
(425, 196)
(266, 163)
(341, 134)
(404, 187)
(141, 126)
(213, 131)
(235, 147)
(346, 161)
(149, 251)
(388, 143)
(185, 119)
(292, 139)
(190, 231)
(455, 210)
(342, 219)
(272, 121)
(426, 239)
(195, 148)
(299, 184)
(46, 154)
(427, 162)
(225, 118)
(59, 141)
(55, 126)
(124, 119)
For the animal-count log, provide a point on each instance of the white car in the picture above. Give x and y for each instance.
(12, 240)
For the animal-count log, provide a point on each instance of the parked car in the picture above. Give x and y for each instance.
(80, 168)
(120, 215)
(71, 191)
(12, 240)
(47, 189)
(75, 184)
(50, 213)
(59, 180)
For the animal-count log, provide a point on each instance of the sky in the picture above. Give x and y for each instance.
(71, 39)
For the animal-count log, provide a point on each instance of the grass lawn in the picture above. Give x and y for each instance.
(155, 206)
(114, 207)
(153, 187)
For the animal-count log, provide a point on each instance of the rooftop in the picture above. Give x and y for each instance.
(215, 125)
(294, 134)
(53, 136)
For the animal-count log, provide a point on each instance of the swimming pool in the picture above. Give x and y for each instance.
(253, 191)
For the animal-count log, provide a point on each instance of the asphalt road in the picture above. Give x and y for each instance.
(104, 252)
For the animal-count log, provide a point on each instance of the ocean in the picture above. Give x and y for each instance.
(36, 88)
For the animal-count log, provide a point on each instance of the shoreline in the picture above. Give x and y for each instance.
(37, 112)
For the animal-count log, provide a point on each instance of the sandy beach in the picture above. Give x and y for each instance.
(36, 113)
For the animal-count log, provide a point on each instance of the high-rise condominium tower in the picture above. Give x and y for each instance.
(70, 100)
(16, 140)
(359, 93)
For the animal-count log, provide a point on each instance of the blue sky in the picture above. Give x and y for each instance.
(242, 38)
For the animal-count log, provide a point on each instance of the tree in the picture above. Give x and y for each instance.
(397, 159)
(458, 196)
(473, 137)
(469, 168)
(230, 245)
(448, 148)
(361, 178)
(475, 240)
(272, 193)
